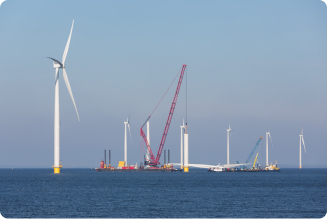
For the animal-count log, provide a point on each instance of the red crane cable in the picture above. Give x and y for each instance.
(165, 93)
(160, 99)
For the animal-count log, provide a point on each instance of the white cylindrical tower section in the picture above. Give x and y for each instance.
(182, 164)
(267, 148)
(186, 162)
(56, 165)
(125, 145)
(147, 155)
(300, 153)
(228, 146)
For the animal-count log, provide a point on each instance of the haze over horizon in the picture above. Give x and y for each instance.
(256, 65)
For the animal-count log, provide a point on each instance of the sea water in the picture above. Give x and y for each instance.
(291, 193)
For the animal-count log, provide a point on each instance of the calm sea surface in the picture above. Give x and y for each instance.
(291, 193)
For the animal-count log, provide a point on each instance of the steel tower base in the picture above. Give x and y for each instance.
(56, 169)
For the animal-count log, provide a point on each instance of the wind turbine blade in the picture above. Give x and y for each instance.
(302, 131)
(271, 140)
(69, 90)
(130, 135)
(303, 145)
(55, 60)
(67, 45)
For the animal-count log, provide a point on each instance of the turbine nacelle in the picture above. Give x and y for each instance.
(56, 63)
(230, 130)
(268, 133)
(183, 126)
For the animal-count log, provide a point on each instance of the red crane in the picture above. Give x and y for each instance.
(152, 160)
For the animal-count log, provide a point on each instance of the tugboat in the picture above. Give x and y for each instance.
(272, 167)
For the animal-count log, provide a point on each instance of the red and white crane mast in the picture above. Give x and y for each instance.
(152, 160)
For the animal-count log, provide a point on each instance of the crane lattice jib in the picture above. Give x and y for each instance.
(255, 147)
(147, 145)
(170, 116)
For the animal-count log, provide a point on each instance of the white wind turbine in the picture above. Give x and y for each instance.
(268, 134)
(229, 130)
(182, 128)
(301, 140)
(125, 142)
(57, 65)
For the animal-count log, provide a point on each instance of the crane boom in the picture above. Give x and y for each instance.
(153, 161)
(147, 145)
(255, 147)
(170, 115)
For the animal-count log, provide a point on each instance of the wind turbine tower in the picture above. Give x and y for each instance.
(182, 128)
(267, 135)
(186, 167)
(228, 134)
(60, 65)
(125, 141)
(148, 139)
(301, 140)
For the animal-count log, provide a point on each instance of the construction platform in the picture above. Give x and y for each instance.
(136, 170)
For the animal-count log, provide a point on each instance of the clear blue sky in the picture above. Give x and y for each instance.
(257, 65)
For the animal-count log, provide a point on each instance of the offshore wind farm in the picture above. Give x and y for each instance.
(185, 109)
(151, 164)
(221, 112)
(149, 161)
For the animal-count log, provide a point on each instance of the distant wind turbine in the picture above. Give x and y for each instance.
(1, 1)
(268, 135)
(125, 139)
(229, 133)
(57, 65)
(301, 140)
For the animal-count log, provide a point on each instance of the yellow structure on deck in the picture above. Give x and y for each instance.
(272, 166)
(186, 169)
(255, 160)
(121, 164)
